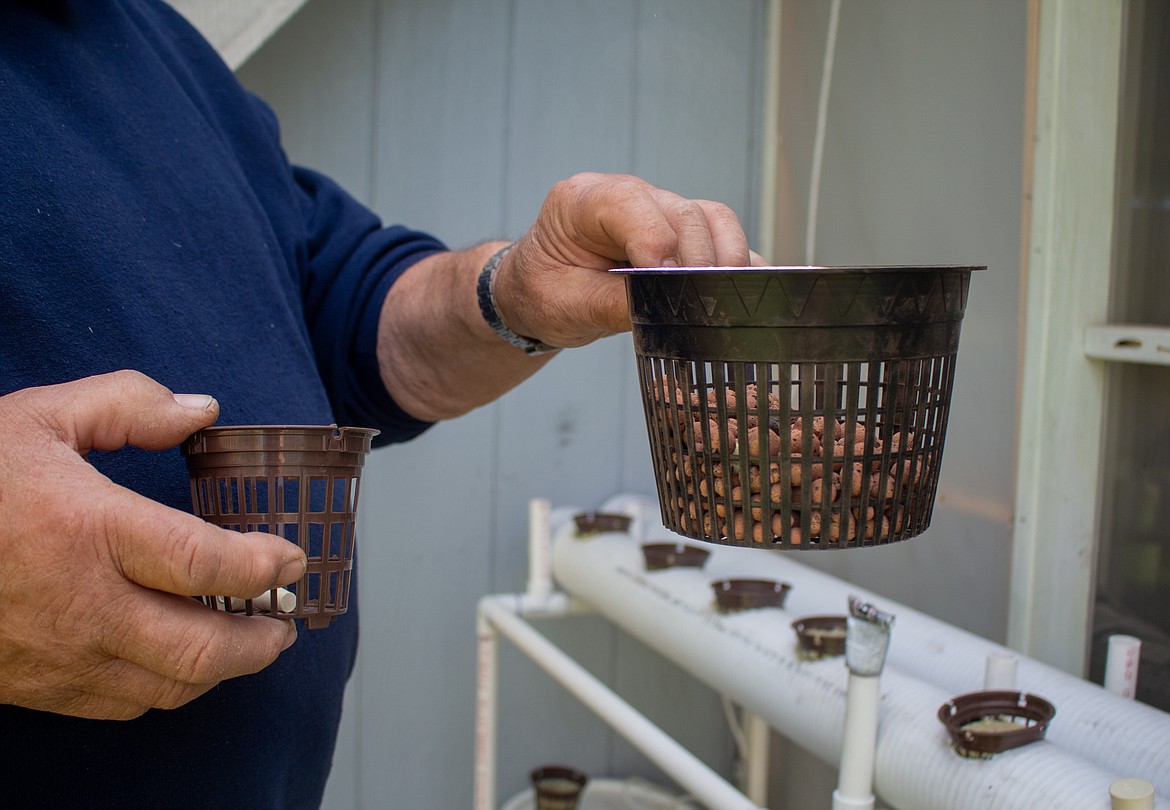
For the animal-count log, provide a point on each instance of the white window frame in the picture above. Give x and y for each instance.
(1068, 266)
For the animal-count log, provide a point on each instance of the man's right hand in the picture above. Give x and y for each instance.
(95, 580)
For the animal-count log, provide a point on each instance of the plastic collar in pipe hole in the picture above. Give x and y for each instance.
(673, 555)
(745, 594)
(590, 523)
(820, 637)
(557, 787)
(981, 724)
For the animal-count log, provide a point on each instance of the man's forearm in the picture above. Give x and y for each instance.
(437, 354)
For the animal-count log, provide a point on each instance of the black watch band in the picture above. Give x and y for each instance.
(487, 305)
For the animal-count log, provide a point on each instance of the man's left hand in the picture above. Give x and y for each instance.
(549, 286)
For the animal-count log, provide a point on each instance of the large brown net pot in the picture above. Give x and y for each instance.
(298, 482)
(797, 407)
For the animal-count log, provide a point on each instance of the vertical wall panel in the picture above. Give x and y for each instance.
(695, 125)
(570, 96)
(439, 166)
(442, 117)
(697, 118)
(317, 72)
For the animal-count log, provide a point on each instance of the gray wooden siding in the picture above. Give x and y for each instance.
(456, 117)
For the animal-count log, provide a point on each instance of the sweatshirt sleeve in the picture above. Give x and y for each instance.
(350, 263)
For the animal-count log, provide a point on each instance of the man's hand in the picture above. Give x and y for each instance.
(549, 286)
(95, 580)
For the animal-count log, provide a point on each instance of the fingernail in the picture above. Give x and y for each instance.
(292, 571)
(670, 263)
(291, 637)
(196, 402)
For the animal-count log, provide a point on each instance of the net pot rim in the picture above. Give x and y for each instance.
(288, 429)
(222, 440)
(819, 269)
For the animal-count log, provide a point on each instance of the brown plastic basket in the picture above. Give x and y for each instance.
(981, 724)
(298, 482)
(797, 407)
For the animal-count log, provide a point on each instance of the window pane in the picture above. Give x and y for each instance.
(1133, 573)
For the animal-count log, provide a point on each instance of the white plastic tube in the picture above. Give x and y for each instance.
(286, 602)
(855, 781)
(758, 736)
(539, 539)
(486, 695)
(1000, 671)
(1122, 657)
(1125, 736)
(751, 657)
(814, 185)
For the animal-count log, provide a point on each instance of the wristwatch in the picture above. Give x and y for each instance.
(487, 305)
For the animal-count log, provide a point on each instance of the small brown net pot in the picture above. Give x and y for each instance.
(557, 787)
(298, 482)
(797, 407)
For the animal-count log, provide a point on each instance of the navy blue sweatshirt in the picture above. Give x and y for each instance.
(150, 220)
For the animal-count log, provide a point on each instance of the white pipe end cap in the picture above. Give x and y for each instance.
(1132, 794)
(850, 803)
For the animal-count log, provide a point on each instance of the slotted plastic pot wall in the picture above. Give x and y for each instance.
(797, 407)
(298, 482)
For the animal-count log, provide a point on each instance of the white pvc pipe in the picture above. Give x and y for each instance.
(286, 602)
(486, 691)
(1000, 671)
(751, 657)
(539, 540)
(1122, 657)
(689, 771)
(916, 769)
(756, 762)
(770, 152)
(855, 778)
(814, 184)
(1124, 736)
